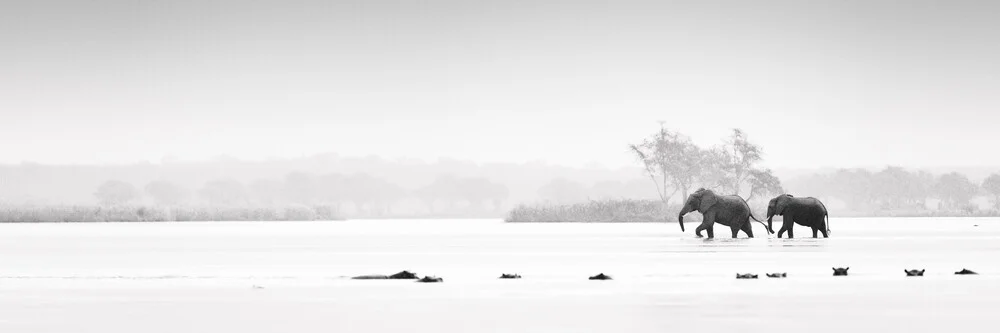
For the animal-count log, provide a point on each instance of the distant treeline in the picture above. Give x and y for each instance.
(165, 214)
(895, 191)
(668, 167)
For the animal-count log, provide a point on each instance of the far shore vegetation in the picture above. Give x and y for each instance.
(668, 166)
(40, 214)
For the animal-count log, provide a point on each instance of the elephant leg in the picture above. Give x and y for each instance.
(736, 229)
(815, 232)
(748, 229)
(788, 223)
(707, 223)
(822, 228)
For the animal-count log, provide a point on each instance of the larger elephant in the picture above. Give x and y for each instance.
(728, 210)
(807, 211)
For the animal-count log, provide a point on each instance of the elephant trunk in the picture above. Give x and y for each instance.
(770, 216)
(680, 217)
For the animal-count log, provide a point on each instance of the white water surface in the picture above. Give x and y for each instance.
(291, 277)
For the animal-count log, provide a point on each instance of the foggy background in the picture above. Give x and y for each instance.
(418, 107)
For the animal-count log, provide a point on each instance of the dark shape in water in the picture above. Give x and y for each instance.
(777, 275)
(746, 276)
(430, 279)
(914, 272)
(837, 271)
(404, 275)
(600, 277)
(510, 276)
(965, 272)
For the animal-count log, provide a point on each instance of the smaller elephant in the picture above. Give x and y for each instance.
(914, 272)
(808, 212)
(728, 210)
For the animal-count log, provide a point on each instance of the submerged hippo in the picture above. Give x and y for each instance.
(430, 279)
(746, 276)
(510, 276)
(404, 275)
(600, 277)
(965, 272)
(838, 271)
(777, 275)
(914, 272)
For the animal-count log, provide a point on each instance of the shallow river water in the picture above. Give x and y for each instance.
(291, 277)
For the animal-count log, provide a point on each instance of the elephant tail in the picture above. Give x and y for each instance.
(827, 215)
(769, 231)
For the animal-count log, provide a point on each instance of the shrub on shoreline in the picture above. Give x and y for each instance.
(615, 210)
(41, 214)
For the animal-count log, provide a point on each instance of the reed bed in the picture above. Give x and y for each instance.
(611, 210)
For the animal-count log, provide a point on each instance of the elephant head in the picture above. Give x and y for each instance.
(700, 201)
(777, 207)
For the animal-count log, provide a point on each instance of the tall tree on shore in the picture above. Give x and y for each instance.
(739, 158)
(671, 161)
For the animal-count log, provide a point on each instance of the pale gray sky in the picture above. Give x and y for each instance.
(816, 83)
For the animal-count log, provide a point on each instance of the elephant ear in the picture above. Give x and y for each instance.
(708, 199)
(780, 204)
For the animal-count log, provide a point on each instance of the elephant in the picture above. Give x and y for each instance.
(808, 211)
(728, 210)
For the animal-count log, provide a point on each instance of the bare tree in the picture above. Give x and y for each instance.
(671, 161)
(763, 183)
(738, 159)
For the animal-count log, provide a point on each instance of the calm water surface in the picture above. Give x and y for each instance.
(290, 277)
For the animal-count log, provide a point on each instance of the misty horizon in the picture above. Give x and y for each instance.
(818, 84)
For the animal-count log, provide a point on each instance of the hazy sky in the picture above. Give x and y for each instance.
(816, 83)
